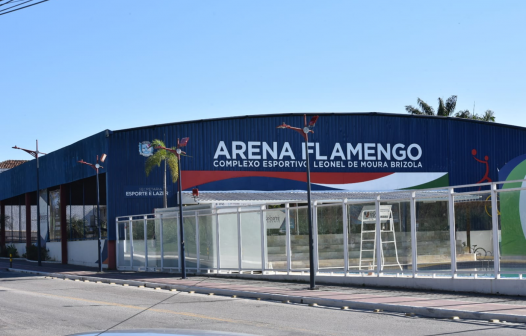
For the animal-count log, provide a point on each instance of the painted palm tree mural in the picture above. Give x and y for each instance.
(169, 159)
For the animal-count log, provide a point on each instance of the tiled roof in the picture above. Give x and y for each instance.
(8, 164)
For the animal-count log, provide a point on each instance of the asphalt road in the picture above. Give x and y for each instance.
(32, 305)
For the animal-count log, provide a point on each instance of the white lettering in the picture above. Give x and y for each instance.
(286, 151)
(221, 150)
(385, 151)
(337, 151)
(252, 151)
(241, 150)
(400, 156)
(272, 151)
(318, 156)
(369, 152)
(354, 151)
(416, 157)
(311, 151)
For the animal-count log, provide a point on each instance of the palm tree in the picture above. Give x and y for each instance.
(465, 114)
(169, 159)
(444, 109)
(425, 109)
(489, 115)
(447, 109)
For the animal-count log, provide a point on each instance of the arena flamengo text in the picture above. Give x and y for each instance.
(255, 154)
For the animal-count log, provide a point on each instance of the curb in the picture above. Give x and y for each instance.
(31, 261)
(421, 311)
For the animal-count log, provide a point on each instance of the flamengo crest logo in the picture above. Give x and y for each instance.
(145, 148)
(348, 155)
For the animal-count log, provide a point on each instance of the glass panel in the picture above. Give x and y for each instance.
(139, 253)
(54, 215)
(8, 224)
(473, 232)
(75, 222)
(299, 238)
(68, 221)
(170, 243)
(207, 242)
(190, 247)
(103, 222)
(432, 235)
(512, 209)
(34, 223)
(123, 248)
(361, 236)
(228, 240)
(330, 237)
(22, 224)
(89, 222)
(154, 243)
(15, 221)
(396, 237)
(251, 240)
(275, 225)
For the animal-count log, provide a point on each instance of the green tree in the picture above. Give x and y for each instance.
(489, 115)
(447, 109)
(169, 159)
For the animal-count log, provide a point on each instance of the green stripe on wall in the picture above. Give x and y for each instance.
(438, 183)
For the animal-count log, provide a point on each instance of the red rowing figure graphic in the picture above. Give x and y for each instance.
(486, 158)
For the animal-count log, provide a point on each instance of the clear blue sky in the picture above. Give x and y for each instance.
(71, 68)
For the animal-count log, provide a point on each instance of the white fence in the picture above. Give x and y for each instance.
(476, 230)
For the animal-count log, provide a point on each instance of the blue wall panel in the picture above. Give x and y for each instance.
(446, 144)
(56, 168)
(446, 150)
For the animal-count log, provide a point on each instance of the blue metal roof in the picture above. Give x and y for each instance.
(56, 168)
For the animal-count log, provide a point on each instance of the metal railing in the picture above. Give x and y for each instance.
(468, 230)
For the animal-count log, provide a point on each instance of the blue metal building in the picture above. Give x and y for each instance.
(349, 151)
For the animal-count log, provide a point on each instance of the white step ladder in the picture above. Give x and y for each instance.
(367, 218)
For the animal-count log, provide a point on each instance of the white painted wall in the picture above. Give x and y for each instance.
(483, 238)
(55, 250)
(79, 252)
(84, 252)
(20, 247)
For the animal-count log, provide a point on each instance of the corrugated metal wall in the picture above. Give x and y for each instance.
(56, 168)
(499, 143)
(447, 145)
(446, 142)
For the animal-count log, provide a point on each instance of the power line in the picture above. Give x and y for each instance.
(18, 5)
(3, 10)
(5, 3)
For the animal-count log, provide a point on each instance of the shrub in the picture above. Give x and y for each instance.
(76, 228)
(32, 253)
(10, 249)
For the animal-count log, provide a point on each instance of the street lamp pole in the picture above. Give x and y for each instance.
(305, 134)
(99, 233)
(178, 151)
(35, 153)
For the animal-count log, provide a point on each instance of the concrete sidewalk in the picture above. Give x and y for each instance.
(423, 303)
